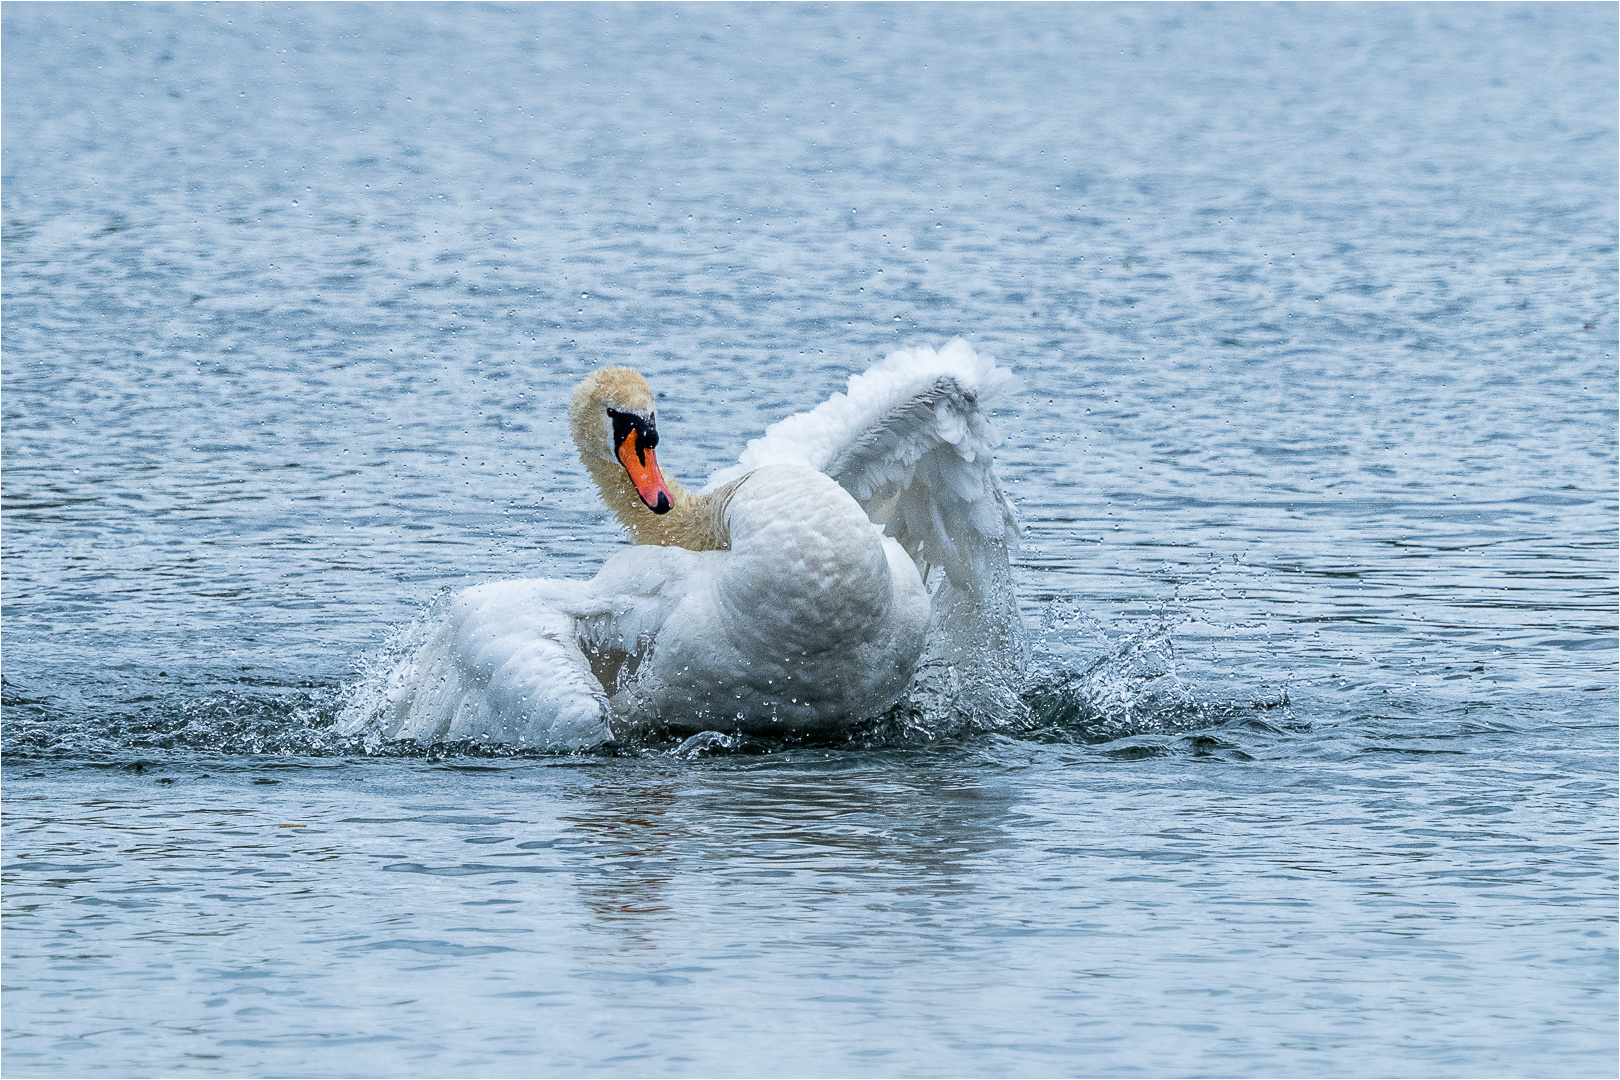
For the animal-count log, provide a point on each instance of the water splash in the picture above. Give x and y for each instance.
(1136, 699)
(294, 721)
(1133, 697)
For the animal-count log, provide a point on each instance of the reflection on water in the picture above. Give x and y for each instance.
(822, 830)
(625, 885)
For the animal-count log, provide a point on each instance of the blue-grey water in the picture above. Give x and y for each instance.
(1316, 311)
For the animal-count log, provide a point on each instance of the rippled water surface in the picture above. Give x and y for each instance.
(1316, 312)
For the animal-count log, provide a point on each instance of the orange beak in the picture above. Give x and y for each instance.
(642, 465)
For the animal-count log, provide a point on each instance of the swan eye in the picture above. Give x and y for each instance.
(645, 430)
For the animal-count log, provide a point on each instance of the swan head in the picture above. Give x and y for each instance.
(614, 422)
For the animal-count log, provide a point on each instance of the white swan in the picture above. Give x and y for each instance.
(853, 550)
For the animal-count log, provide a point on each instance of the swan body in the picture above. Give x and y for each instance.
(852, 551)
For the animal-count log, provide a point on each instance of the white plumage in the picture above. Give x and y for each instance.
(862, 550)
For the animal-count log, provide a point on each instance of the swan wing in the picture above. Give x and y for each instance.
(912, 439)
(502, 663)
(526, 662)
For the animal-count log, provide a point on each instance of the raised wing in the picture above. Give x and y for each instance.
(912, 439)
(925, 472)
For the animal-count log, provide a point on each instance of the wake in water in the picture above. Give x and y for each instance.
(1130, 700)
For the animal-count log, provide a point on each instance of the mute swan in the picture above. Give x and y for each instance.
(854, 549)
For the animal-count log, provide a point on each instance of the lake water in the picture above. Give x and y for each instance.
(1315, 307)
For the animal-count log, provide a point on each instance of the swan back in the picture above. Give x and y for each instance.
(810, 620)
(807, 568)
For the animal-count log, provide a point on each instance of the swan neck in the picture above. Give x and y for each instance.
(694, 522)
